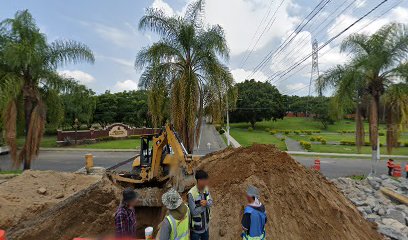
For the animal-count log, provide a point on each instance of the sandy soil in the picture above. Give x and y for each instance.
(300, 204)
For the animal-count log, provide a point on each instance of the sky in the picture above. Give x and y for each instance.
(253, 28)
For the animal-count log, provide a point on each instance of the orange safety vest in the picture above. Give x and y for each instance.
(406, 168)
(390, 164)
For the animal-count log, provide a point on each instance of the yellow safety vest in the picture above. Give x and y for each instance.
(197, 220)
(180, 228)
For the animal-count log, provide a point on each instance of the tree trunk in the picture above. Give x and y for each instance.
(29, 104)
(360, 136)
(375, 99)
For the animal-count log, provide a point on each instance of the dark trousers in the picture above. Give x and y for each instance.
(407, 175)
(199, 236)
(389, 171)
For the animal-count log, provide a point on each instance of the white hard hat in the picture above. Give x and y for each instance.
(172, 199)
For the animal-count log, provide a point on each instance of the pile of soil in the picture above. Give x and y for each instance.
(73, 205)
(300, 203)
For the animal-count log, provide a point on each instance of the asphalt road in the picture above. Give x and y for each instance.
(72, 161)
(210, 140)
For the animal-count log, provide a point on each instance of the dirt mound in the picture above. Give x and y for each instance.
(300, 203)
(73, 205)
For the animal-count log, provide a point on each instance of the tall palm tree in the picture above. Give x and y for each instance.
(348, 84)
(187, 58)
(379, 59)
(396, 104)
(27, 72)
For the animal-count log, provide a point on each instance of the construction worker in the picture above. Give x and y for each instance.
(406, 170)
(390, 165)
(176, 225)
(200, 202)
(125, 217)
(254, 218)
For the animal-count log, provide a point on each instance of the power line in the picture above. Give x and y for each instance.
(290, 38)
(288, 70)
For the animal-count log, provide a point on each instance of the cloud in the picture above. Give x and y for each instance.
(160, 4)
(240, 23)
(121, 61)
(82, 77)
(241, 75)
(119, 37)
(126, 85)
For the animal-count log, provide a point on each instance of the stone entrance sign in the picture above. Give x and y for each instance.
(118, 131)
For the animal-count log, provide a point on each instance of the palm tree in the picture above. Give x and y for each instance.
(27, 72)
(379, 59)
(396, 102)
(186, 60)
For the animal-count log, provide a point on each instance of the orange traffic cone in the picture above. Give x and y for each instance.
(2, 235)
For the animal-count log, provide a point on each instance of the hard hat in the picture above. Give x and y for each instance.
(252, 191)
(172, 199)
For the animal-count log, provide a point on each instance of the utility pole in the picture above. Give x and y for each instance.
(228, 127)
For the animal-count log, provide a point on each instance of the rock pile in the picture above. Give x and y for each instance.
(391, 217)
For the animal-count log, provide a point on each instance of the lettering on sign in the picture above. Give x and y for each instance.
(118, 131)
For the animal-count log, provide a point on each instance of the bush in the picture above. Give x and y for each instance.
(134, 137)
(323, 141)
(308, 132)
(287, 132)
(347, 143)
(272, 132)
(312, 139)
(405, 144)
(221, 131)
(50, 131)
(297, 132)
(283, 139)
(218, 127)
(267, 129)
(306, 145)
(107, 138)
(316, 131)
(250, 129)
(381, 134)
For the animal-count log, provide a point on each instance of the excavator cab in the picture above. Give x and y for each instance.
(145, 152)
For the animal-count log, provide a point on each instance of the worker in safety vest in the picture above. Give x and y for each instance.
(200, 202)
(254, 218)
(406, 170)
(390, 166)
(176, 225)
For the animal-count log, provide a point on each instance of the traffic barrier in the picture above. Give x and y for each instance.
(2, 235)
(396, 172)
(316, 165)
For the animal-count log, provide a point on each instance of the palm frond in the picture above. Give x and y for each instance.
(66, 52)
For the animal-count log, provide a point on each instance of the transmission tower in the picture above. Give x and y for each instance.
(315, 65)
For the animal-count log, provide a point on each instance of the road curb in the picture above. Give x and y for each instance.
(88, 149)
(345, 155)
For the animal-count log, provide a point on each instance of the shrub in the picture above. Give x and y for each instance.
(267, 129)
(250, 129)
(297, 132)
(381, 134)
(218, 127)
(272, 132)
(306, 145)
(316, 131)
(287, 132)
(348, 143)
(134, 137)
(323, 141)
(367, 143)
(283, 139)
(405, 144)
(221, 131)
(312, 139)
(108, 138)
(308, 132)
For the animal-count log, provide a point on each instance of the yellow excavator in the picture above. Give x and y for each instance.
(162, 157)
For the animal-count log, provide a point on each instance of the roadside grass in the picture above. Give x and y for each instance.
(11, 172)
(114, 144)
(46, 142)
(246, 138)
(353, 149)
(303, 124)
(342, 137)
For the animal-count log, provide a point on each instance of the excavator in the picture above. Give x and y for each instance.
(162, 159)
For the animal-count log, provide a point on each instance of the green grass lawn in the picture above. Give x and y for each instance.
(303, 124)
(353, 149)
(46, 142)
(50, 142)
(341, 137)
(115, 144)
(11, 172)
(246, 138)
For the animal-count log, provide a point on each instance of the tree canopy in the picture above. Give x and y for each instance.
(258, 101)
